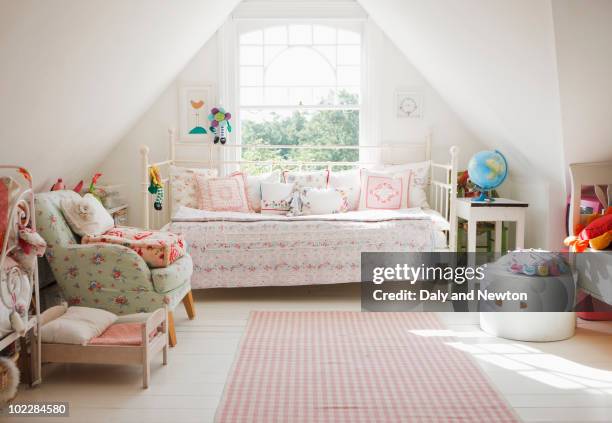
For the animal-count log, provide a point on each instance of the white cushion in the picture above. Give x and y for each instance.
(77, 326)
(183, 185)
(276, 197)
(384, 190)
(419, 181)
(254, 187)
(87, 215)
(223, 194)
(324, 201)
(350, 182)
(311, 179)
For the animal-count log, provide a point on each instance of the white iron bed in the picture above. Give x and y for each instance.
(237, 249)
(594, 267)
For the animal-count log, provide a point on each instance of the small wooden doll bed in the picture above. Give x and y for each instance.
(154, 338)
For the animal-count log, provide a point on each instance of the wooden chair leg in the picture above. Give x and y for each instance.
(171, 330)
(189, 305)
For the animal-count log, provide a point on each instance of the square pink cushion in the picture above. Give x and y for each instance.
(384, 190)
(223, 194)
(121, 334)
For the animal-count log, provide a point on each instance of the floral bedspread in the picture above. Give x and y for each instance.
(242, 250)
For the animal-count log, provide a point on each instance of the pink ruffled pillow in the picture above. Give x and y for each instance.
(223, 194)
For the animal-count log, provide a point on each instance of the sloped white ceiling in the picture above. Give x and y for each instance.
(75, 75)
(494, 62)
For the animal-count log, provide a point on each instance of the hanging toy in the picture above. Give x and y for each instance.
(156, 188)
(219, 123)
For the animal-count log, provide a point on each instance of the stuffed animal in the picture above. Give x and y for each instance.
(596, 235)
(219, 122)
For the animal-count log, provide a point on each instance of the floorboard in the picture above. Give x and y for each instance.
(567, 381)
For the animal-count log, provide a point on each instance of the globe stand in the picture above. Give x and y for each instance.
(484, 196)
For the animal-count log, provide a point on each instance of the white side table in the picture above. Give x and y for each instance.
(498, 211)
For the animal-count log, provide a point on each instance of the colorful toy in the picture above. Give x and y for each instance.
(219, 123)
(596, 235)
(156, 188)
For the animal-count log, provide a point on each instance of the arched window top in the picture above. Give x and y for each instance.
(300, 64)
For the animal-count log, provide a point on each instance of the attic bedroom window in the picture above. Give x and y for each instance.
(299, 84)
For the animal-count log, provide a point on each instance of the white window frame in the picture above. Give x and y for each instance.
(245, 26)
(229, 46)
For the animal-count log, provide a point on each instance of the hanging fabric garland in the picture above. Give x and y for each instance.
(156, 188)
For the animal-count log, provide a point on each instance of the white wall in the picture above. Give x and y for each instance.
(583, 30)
(76, 75)
(121, 165)
(446, 127)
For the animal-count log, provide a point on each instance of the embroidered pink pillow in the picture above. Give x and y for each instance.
(157, 248)
(223, 194)
(383, 190)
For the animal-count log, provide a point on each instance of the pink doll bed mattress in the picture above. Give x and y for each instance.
(121, 334)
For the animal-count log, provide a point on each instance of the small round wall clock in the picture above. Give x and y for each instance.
(409, 104)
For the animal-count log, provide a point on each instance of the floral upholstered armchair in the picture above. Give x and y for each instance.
(109, 276)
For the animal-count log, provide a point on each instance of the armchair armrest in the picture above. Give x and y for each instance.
(101, 267)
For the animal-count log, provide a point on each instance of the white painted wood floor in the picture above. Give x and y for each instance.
(568, 381)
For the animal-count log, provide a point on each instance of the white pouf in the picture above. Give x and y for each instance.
(536, 327)
(540, 318)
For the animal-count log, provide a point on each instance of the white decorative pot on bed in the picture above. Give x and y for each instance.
(528, 320)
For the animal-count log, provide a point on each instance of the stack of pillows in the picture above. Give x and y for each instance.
(302, 193)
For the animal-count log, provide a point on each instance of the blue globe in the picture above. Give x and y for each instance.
(488, 170)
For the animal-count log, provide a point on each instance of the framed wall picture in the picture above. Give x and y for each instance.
(195, 102)
(409, 103)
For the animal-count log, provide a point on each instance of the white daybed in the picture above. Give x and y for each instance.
(240, 249)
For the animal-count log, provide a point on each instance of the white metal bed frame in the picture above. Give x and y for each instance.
(443, 176)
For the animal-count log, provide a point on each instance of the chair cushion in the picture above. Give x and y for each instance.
(166, 279)
(157, 248)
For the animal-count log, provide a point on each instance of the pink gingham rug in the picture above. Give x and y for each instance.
(350, 367)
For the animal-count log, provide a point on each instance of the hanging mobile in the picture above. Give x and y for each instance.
(219, 124)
